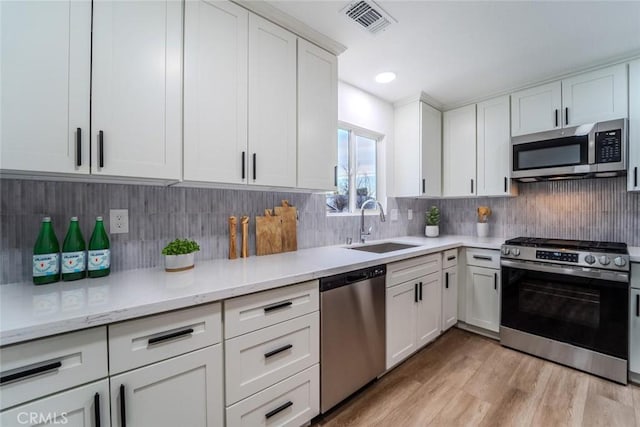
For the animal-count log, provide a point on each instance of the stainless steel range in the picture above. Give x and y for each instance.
(567, 301)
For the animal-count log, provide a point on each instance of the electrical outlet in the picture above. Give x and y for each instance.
(118, 221)
(410, 215)
(394, 214)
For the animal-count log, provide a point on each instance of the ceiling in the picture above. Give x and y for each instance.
(460, 52)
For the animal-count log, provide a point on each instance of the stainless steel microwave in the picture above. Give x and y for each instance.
(592, 150)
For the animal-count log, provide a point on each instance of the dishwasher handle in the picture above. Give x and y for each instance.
(344, 279)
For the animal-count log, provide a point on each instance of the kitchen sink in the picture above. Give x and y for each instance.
(381, 248)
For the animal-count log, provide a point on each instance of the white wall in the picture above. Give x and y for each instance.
(364, 110)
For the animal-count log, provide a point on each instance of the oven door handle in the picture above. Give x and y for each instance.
(613, 276)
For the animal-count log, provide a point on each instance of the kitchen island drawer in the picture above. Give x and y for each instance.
(140, 342)
(257, 360)
(292, 402)
(251, 312)
(450, 258)
(483, 258)
(409, 269)
(37, 368)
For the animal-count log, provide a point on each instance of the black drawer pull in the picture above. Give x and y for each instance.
(101, 148)
(482, 257)
(96, 408)
(278, 350)
(415, 292)
(244, 154)
(451, 258)
(637, 305)
(495, 281)
(170, 336)
(29, 372)
(446, 280)
(566, 115)
(123, 412)
(78, 147)
(420, 290)
(278, 409)
(556, 117)
(277, 306)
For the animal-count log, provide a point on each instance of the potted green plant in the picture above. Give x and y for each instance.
(432, 217)
(179, 255)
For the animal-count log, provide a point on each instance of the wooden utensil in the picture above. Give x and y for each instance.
(268, 234)
(289, 215)
(233, 229)
(244, 222)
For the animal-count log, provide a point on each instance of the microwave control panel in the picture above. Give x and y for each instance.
(557, 256)
(609, 146)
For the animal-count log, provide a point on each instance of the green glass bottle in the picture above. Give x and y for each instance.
(73, 253)
(99, 256)
(46, 255)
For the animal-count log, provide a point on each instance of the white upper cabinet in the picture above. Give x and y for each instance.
(137, 89)
(215, 92)
(595, 96)
(493, 134)
(317, 117)
(418, 129)
(459, 152)
(272, 104)
(536, 109)
(45, 56)
(634, 126)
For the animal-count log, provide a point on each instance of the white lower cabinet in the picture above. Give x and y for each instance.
(401, 322)
(182, 391)
(85, 406)
(634, 330)
(483, 297)
(428, 315)
(449, 297)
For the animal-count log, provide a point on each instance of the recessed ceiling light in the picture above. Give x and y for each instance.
(386, 77)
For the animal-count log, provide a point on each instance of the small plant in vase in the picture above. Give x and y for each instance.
(179, 255)
(432, 217)
(484, 212)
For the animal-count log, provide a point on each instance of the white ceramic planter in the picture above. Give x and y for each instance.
(432, 230)
(483, 229)
(179, 262)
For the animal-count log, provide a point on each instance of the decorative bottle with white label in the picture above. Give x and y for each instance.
(46, 255)
(73, 253)
(99, 256)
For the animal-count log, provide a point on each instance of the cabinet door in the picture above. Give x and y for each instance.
(483, 298)
(459, 152)
(182, 391)
(215, 91)
(407, 173)
(634, 331)
(317, 117)
(272, 104)
(449, 297)
(45, 56)
(536, 109)
(401, 322)
(494, 140)
(634, 126)
(429, 309)
(595, 96)
(137, 89)
(86, 406)
(431, 151)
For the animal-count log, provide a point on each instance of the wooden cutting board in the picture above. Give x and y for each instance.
(289, 215)
(268, 234)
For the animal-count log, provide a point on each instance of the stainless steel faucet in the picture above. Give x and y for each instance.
(363, 233)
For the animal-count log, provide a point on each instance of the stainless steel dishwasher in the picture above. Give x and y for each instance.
(352, 332)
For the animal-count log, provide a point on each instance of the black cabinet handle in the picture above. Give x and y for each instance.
(96, 408)
(556, 117)
(101, 149)
(29, 372)
(635, 176)
(78, 147)
(254, 166)
(505, 184)
(277, 306)
(566, 115)
(335, 176)
(451, 258)
(637, 305)
(446, 280)
(170, 336)
(244, 155)
(420, 290)
(471, 185)
(482, 257)
(495, 281)
(278, 350)
(278, 409)
(415, 292)
(123, 412)
(424, 184)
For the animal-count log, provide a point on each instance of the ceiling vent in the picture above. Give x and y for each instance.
(368, 15)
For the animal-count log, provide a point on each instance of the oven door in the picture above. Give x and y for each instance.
(586, 308)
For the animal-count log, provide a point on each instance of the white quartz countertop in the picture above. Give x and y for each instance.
(28, 311)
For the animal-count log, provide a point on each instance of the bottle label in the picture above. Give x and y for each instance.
(46, 265)
(99, 259)
(73, 262)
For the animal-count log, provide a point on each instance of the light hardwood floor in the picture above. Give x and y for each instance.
(463, 379)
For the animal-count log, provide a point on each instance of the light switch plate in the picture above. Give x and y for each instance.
(118, 221)
(410, 215)
(394, 214)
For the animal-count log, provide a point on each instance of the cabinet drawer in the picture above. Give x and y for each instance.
(635, 275)
(403, 271)
(262, 358)
(252, 312)
(292, 402)
(483, 258)
(450, 258)
(143, 341)
(37, 368)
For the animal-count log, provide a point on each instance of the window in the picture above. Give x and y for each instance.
(357, 170)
